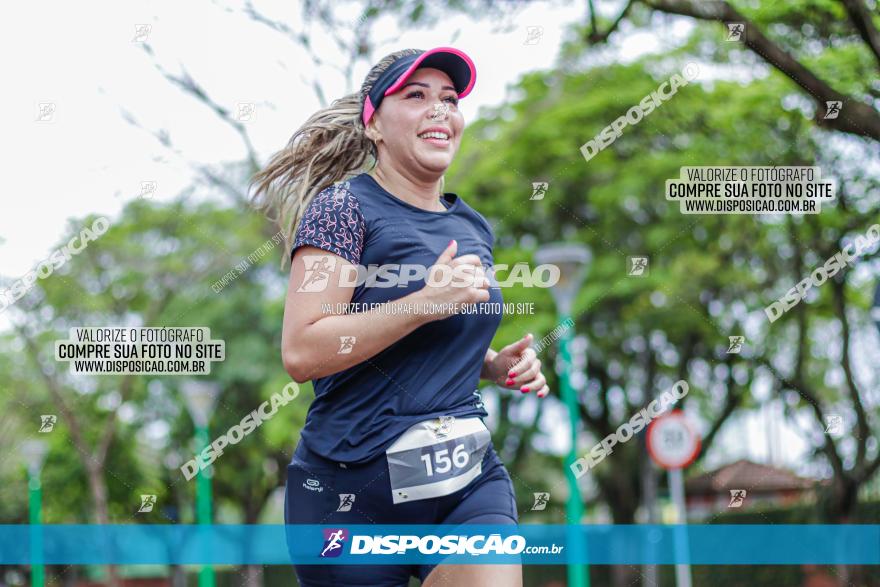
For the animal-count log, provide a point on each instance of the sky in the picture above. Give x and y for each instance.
(91, 67)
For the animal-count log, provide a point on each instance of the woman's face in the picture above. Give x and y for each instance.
(411, 111)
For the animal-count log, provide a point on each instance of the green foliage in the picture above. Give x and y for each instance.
(710, 276)
(158, 265)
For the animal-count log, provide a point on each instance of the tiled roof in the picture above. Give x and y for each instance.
(744, 474)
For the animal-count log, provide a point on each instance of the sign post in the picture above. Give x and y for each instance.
(673, 444)
(572, 260)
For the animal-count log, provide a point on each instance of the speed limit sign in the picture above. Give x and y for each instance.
(672, 441)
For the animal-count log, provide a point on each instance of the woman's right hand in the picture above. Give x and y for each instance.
(452, 283)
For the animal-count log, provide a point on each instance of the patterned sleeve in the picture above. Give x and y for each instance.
(333, 222)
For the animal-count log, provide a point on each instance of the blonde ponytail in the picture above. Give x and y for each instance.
(329, 147)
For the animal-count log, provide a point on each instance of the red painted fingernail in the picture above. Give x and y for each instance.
(509, 382)
(524, 389)
(512, 374)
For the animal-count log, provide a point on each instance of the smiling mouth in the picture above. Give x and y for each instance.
(436, 136)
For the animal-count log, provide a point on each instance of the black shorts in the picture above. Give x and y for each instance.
(312, 497)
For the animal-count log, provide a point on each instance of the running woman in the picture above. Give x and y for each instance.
(395, 434)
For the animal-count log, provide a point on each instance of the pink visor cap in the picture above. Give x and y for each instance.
(455, 63)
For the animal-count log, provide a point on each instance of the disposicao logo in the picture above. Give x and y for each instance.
(333, 542)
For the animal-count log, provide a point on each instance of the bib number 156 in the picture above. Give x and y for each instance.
(441, 461)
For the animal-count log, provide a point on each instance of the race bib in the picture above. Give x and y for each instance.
(436, 457)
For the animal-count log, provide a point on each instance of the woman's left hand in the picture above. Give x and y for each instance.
(517, 366)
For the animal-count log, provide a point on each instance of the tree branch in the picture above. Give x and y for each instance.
(52, 385)
(861, 19)
(731, 403)
(837, 288)
(601, 424)
(594, 37)
(189, 85)
(855, 117)
(812, 398)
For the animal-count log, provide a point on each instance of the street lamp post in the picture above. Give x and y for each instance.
(34, 453)
(572, 260)
(173, 459)
(200, 397)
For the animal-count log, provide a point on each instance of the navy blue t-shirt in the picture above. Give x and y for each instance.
(435, 370)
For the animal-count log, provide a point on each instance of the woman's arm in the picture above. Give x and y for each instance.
(316, 343)
(311, 339)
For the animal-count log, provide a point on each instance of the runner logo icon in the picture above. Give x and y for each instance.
(333, 539)
(346, 500)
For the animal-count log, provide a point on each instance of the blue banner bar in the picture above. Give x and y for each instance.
(475, 544)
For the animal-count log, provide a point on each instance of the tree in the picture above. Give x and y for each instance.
(709, 276)
(159, 265)
(846, 31)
